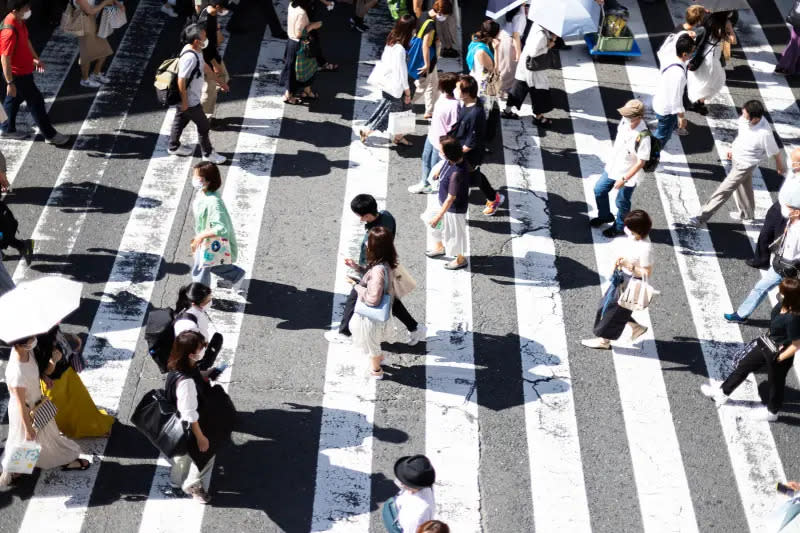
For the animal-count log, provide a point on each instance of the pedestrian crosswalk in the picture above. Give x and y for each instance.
(527, 429)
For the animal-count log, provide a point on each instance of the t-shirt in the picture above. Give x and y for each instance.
(753, 143)
(186, 70)
(637, 251)
(470, 130)
(454, 180)
(15, 44)
(445, 115)
(783, 327)
(384, 219)
(430, 28)
(414, 509)
(209, 22)
(624, 153)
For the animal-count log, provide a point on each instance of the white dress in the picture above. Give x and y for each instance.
(57, 450)
(709, 78)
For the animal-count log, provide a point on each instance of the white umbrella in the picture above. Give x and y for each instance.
(566, 17)
(33, 307)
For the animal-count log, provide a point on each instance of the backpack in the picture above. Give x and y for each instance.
(159, 333)
(8, 224)
(414, 57)
(655, 150)
(166, 82)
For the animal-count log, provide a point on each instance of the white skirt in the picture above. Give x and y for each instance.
(367, 335)
(453, 234)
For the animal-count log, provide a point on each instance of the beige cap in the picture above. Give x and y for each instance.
(633, 108)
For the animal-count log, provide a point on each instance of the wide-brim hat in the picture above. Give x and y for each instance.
(790, 193)
(415, 471)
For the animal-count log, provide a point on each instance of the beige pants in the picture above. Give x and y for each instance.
(446, 31)
(209, 98)
(428, 87)
(185, 474)
(739, 183)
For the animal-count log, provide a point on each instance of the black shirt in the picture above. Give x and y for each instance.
(431, 28)
(209, 22)
(470, 130)
(784, 327)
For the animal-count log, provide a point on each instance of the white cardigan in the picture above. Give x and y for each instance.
(396, 70)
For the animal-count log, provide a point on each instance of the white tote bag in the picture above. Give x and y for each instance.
(402, 123)
(22, 458)
(104, 28)
(637, 295)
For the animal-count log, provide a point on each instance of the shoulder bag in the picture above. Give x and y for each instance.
(540, 62)
(638, 294)
(158, 420)
(72, 20)
(785, 267)
(402, 281)
(414, 57)
(383, 311)
(305, 64)
(42, 413)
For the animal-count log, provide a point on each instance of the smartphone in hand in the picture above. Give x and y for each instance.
(217, 372)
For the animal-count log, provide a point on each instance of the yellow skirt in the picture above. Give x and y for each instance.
(77, 417)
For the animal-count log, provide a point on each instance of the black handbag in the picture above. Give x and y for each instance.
(540, 62)
(158, 420)
(785, 267)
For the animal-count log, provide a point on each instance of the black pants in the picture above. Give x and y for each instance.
(478, 178)
(773, 227)
(398, 310)
(776, 375)
(27, 92)
(182, 118)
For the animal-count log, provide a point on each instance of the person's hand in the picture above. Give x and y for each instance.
(619, 184)
(794, 485)
(682, 122)
(600, 2)
(407, 99)
(39, 64)
(48, 382)
(11, 90)
(729, 155)
(435, 221)
(222, 85)
(195, 243)
(5, 186)
(202, 443)
(30, 433)
(315, 25)
(184, 106)
(692, 34)
(350, 263)
(350, 280)
(422, 70)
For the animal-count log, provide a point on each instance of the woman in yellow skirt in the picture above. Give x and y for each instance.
(77, 417)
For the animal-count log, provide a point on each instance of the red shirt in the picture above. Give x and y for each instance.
(15, 44)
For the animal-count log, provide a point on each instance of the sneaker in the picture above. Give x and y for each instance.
(181, 150)
(596, 222)
(90, 83)
(597, 343)
(448, 52)
(735, 318)
(100, 78)
(714, 392)
(27, 251)
(419, 188)
(417, 335)
(215, 158)
(334, 336)
(637, 330)
(491, 207)
(696, 222)
(376, 374)
(682, 132)
(199, 495)
(735, 215)
(612, 232)
(16, 135)
(762, 413)
(167, 10)
(58, 139)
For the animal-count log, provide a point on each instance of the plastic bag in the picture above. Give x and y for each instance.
(402, 123)
(22, 458)
(104, 28)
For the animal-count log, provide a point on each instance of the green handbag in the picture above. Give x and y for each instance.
(305, 65)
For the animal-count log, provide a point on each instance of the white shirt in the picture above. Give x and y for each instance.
(186, 324)
(637, 251)
(791, 246)
(186, 69)
(414, 509)
(624, 153)
(517, 24)
(668, 99)
(394, 61)
(752, 143)
(186, 392)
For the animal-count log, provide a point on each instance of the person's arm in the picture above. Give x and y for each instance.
(372, 293)
(4, 184)
(182, 86)
(19, 394)
(418, 8)
(91, 10)
(11, 88)
(485, 60)
(427, 42)
(779, 166)
(517, 46)
(789, 351)
(445, 206)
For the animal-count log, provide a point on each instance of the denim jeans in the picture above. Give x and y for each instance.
(430, 156)
(769, 280)
(601, 190)
(201, 274)
(29, 93)
(666, 125)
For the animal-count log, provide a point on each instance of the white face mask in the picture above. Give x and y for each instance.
(222, 12)
(205, 43)
(35, 342)
(457, 93)
(26, 15)
(197, 183)
(785, 211)
(628, 232)
(441, 18)
(196, 356)
(204, 306)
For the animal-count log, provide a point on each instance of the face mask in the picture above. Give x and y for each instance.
(222, 12)
(628, 232)
(31, 345)
(26, 15)
(204, 307)
(196, 356)
(785, 211)
(457, 93)
(441, 18)
(197, 184)
(205, 43)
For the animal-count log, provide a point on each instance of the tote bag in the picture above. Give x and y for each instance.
(381, 312)
(21, 459)
(305, 64)
(402, 123)
(72, 20)
(158, 420)
(381, 78)
(402, 281)
(414, 57)
(216, 251)
(637, 295)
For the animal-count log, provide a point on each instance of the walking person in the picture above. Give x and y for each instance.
(512, 27)
(365, 208)
(93, 48)
(708, 76)
(22, 379)
(191, 68)
(445, 115)
(785, 254)
(789, 62)
(191, 315)
(8, 231)
(470, 131)
(449, 225)
(433, 526)
(623, 170)
(482, 59)
(212, 221)
(394, 81)
(427, 77)
(754, 141)
(360, 11)
(775, 352)
(668, 99)
(611, 318)
(415, 504)
(215, 75)
(532, 82)
(298, 26)
(19, 60)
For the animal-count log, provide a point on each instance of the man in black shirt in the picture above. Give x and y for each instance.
(216, 74)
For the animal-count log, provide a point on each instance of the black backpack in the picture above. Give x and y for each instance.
(159, 333)
(655, 150)
(8, 224)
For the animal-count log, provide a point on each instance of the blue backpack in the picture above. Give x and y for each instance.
(414, 56)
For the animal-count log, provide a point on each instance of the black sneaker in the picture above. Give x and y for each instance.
(27, 251)
(597, 221)
(449, 52)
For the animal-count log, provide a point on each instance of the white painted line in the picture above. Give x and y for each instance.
(556, 468)
(245, 194)
(751, 446)
(344, 462)
(664, 497)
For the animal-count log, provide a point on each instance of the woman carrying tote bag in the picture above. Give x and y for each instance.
(611, 318)
(93, 49)
(391, 76)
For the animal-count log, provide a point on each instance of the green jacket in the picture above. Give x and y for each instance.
(210, 213)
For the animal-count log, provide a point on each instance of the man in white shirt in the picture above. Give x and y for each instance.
(623, 169)
(668, 100)
(753, 142)
(191, 68)
(788, 250)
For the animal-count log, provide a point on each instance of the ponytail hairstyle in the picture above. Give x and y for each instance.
(487, 33)
(193, 293)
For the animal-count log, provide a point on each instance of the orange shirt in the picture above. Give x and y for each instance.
(15, 44)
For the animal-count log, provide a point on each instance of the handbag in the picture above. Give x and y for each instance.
(763, 343)
(402, 123)
(158, 420)
(390, 516)
(616, 281)
(104, 27)
(381, 77)
(638, 295)
(414, 58)
(305, 64)
(216, 251)
(119, 18)
(42, 413)
(402, 281)
(493, 83)
(72, 21)
(381, 312)
(22, 458)
(540, 62)
(787, 268)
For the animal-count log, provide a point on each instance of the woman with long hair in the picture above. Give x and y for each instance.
(708, 78)
(395, 91)
(512, 26)
(298, 26)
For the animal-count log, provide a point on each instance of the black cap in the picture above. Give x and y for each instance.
(415, 471)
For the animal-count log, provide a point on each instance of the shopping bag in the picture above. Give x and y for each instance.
(402, 123)
(72, 21)
(216, 251)
(118, 17)
(305, 64)
(104, 28)
(637, 295)
(402, 282)
(22, 457)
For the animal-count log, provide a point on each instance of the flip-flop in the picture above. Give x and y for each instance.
(543, 122)
(404, 142)
(454, 265)
(293, 101)
(84, 465)
(329, 67)
(312, 96)
(434, 253)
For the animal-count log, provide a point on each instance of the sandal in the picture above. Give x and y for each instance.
(83, 464)
(403, 141)
(363, 135)
(293, 100)
(310, 96)
(507, 113)
(377, 374)
(543, 122)
(455, 265)
(329, 67)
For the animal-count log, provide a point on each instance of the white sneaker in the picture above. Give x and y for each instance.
(333, 336)
(762, 413)
(215, 158)
(696, 222)
(59, 139)
(597, 343)
(100, 78)
(714, 392)
(637, 330)
(419, 188)
(167, 10)
(417, 335)
(91, 83)
(181, 150)
(735, 215)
